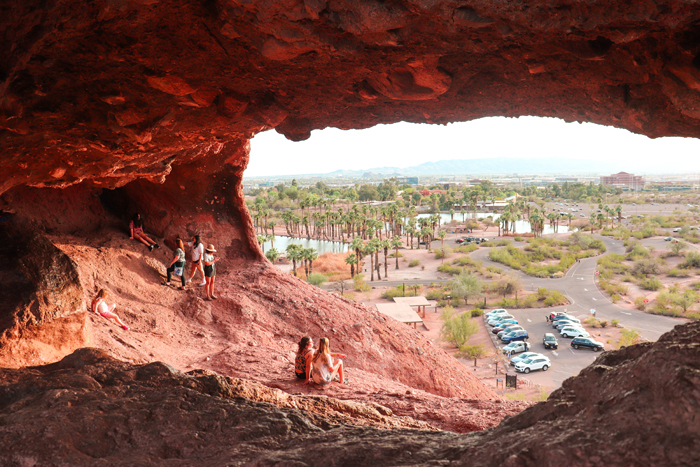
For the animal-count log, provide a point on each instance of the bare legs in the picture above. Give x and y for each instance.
(197, 267)
(145, 239)
(339, 369)
(209, 288)
(111, 315)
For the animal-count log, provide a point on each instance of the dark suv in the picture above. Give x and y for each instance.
(586, 343)
(549, 341)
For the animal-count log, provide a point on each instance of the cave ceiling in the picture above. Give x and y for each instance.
(117, 90)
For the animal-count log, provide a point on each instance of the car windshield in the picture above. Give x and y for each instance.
(549, 338)
(527, 361)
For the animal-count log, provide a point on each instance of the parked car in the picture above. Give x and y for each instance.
(504, 324)
(534, 363)
(677, 229)
(549, 341)
(561, 317)
(516, 347)
(586, 343)
(574, 332)
(523, 356)
(668, 239)
(563, 323)
(496, 312)
(515, 336)
(499, 319)
(509, 329)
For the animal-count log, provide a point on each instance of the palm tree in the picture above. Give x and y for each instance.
(358, 246)
(310, 255)
(294, 254)
(261, 240)
(386, 244)
(272, 254)
(369, 251)
(396, 243)
(351, 259)
(441, 235)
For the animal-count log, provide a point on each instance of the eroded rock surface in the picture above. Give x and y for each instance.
(90, 409)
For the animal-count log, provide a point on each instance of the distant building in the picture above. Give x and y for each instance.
(624, 180)
(408, 180)
(425, 193)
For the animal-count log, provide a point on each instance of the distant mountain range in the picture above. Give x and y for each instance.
(500, 165)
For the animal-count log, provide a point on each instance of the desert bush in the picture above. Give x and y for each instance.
(650, 283)
(615, 298)
(316, 279)
(413, 263)
(449, 269)
(359, 283)
(477, 312)
(467, 248)
(646, 267)
(603, 323)
(692, 260)
(465, 261)
(442, 253)
(518, 239)
(549, 301)
(640, 304)
(675, 272)
(627, 278)
(591, 322)
(638, 251)
(530, 301)
(542, 293)
(615, 323)
(435, 294)
(389, 294)
(628, 337)
(471, 351)
(694, 316)
(494, 269)
(457, 329)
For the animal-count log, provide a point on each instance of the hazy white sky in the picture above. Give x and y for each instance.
(408, 144)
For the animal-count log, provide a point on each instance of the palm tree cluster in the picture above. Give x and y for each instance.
(297, 253)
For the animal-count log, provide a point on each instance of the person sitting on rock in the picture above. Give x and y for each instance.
(136, 229)
(99, 306)
(302, 363)
(177, 265)
(324, 369)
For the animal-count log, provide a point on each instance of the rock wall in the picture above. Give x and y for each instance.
(90, 409)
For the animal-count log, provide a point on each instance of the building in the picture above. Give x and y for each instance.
(628, 182)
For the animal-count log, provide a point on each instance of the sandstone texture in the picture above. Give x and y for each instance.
(90, 409)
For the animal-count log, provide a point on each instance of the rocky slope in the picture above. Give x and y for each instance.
(90, 409)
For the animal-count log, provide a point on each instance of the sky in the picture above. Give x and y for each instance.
(409, 144)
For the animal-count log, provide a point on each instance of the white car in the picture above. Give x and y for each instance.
(524, 356)
(573, 332)
(496, 312)
(516, 347)
(534, 363)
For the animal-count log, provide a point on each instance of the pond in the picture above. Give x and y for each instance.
(321, 246)
(520, 226)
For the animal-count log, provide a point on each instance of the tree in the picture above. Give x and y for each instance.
(509, 285)
(294, 254)
(677, 246)
(386, 244)
(685, 300)
(272, 254)
(310, 255)
(465, 285)
(261, 240)
(457, 329)
(351, 259)
(441, 235)
(395, 244)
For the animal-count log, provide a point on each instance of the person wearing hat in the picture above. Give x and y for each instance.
(210, 271)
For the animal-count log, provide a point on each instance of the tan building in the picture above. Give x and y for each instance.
(625, 181)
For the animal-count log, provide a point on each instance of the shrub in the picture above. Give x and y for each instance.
(615, 298)
(646, 267)
(692, 260)
(477, 312)
(494, 269)
(389, 294)
(603, 323)
(628, 337)
(591, 322)
(650, 283)
(530, 301)
(694, 316)
(614, 323)
(518, 239)
(359, 283)
(471, 351)
(627, 278)
(316, 279)
(467, 248)
(449, 269)
(640, 304)
(413, 263)
(549, 301)
(434, 294)
(542, 293)
(675, 272)
(457, 329)
(442, 253)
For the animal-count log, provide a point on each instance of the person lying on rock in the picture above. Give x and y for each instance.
(210, 271)
(302, 363)
(99, 306)
(177, 265)
(136, 229)
(197, 263)
(324, 368)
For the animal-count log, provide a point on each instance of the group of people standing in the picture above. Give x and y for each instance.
(318, 365)
(202, 261)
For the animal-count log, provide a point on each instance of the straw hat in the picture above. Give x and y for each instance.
(211, 248)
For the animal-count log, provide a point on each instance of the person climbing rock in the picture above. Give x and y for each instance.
(137, 232)
(177, 265)
(197, 263)
(99, 306)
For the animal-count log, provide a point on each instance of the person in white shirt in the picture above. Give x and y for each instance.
(197, 263)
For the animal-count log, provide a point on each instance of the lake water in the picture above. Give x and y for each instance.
(520, 226)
